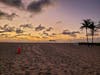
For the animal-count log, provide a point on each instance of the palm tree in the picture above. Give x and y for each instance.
(98, 25)
(86, 23)
(93, 28)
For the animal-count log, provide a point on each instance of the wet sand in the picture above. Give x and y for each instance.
(49, 59)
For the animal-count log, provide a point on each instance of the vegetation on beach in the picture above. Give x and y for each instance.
(90, 25)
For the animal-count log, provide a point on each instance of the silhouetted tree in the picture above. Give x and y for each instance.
(89, 24)
(86, 23)
(93, 28)
(98, 25)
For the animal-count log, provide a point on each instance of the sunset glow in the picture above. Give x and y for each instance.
(47, 22)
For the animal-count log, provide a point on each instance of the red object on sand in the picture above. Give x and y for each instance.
(19, 51)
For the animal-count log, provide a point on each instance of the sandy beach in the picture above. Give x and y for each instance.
(49, 59)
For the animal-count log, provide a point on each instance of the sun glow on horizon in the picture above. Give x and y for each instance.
(58, 20)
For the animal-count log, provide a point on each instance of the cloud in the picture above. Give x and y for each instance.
(23, 6)
(49, 29)
(37, 6)
(73, 33)
(7, 28)
(4, 15)
(28, 34)
(18, 35)
(18, 31)
(52, 40)
(96, 34)
(45, 33)
(54, 34)
(5, 35)
(39, 28)
(45, 37)
(2, 31)
(15, 3)
(26, 26)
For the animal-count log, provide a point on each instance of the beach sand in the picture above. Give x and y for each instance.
(49, 59)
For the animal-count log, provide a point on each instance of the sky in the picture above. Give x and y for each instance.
(46, 20)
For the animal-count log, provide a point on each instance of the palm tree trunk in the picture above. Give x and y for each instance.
(92, 36)
(87, 36)
(92, 39)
